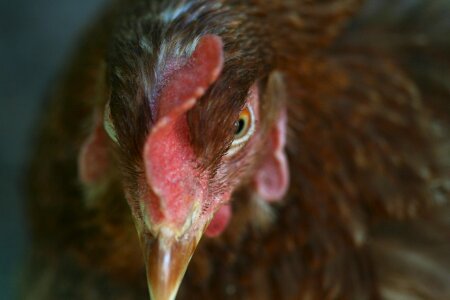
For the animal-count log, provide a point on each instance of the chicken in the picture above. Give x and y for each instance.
(307, 140)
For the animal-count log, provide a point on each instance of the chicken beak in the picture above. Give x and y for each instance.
(166, 259)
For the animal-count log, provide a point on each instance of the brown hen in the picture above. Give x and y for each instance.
(308, 140)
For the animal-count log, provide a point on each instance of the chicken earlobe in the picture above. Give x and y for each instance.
(271, 180)
(93, 161)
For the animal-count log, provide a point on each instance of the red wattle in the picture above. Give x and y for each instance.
(219, 221)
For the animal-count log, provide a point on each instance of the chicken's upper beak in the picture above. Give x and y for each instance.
(166, 259)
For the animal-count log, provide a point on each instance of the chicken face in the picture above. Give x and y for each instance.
(185, 140)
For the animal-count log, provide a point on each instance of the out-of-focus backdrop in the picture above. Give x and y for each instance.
(35, 38)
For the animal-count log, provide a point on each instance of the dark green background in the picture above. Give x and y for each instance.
(35, 37)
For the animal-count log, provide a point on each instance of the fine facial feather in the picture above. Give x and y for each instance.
(359, 144)
(131, 56)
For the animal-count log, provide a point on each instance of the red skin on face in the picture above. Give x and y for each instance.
(174, 182)
(170, 162)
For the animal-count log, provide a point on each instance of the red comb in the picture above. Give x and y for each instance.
(168, 156)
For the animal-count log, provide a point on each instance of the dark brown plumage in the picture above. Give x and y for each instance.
(366, 215)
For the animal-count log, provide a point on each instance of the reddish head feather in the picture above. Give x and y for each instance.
(170, 162)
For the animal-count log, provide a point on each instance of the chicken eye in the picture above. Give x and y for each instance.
(244, 128)
(241, 126)
(108, 125)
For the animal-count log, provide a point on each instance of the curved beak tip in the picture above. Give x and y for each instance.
(167, 258)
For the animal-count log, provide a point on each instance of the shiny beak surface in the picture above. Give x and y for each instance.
(166, 259)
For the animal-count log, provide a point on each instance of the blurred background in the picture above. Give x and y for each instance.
(35, 39)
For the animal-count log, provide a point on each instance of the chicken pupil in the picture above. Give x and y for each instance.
(240, 124)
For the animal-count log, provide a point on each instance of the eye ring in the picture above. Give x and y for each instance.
(245, 127)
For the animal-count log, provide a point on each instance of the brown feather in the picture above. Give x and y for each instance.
(366, 215)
